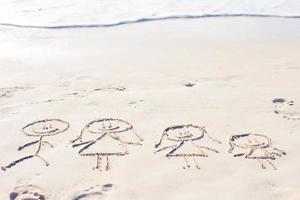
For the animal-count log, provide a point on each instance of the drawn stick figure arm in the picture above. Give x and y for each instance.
(204, 147)
(114, 136)
(27, 145)
(45, 142)
(81, 143)
(171, 153)
(80, 136)
(213, 139)
(140, 138)
(275, 152)
(164, 148)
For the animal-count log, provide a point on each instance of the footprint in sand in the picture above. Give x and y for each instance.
(28, 192)
(10, 91)
(286, 110)
(97, 192)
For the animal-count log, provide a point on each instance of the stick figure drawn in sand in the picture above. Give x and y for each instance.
(40, 129)
(184, 141)
(255, 146)
(104, 138)
(286, 110)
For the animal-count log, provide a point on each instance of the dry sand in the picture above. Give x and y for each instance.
(140, 73)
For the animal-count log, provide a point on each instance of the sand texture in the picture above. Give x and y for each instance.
(175, 110)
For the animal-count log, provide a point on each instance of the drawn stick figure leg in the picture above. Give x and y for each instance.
(195, 162)
(270, 163)
(107, 164)
(13, 163)
(99, 163)
(187, 165)
(294, 127)
(43, 159)
(261, 164)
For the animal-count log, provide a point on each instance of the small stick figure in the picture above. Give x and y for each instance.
(255, 146)
(41, 129)
(182, 141)
(112, 138)
(286, 110)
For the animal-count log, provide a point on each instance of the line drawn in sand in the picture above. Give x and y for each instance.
(255, 146)
(41, 129)
(185, 141)
(286, 110)
(28, 192)
(108, 137)
(97, 192)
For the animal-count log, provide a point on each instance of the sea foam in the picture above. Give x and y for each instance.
(105, 13)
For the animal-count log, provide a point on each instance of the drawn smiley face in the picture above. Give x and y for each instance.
(46, 127)
(250, 141)
(184, 132)
(108, 125)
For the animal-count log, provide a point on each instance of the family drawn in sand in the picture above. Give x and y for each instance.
(106, 138)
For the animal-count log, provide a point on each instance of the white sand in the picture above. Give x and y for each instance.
(238, 66)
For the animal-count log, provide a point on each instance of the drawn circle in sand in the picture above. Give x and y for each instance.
(46, 127)
(184, 132)
(250, 141)
(108, 125)
(28, 192)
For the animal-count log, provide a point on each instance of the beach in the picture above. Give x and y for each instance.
(221, 73)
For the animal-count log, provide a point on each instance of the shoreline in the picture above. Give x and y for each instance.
(144, 20)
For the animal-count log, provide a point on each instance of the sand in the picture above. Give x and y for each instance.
(220, 73)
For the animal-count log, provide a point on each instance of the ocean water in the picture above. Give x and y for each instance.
(93, 13)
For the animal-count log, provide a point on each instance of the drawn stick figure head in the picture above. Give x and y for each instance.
(46, 127)
(108, 125)
(249, 141)
(181, 133)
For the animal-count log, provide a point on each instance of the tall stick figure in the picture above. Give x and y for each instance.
(112, 136)
(40, 129)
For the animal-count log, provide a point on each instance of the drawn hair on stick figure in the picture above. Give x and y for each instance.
(255, 146)
(40, 129)
(185, 141)
(104, 138)
(286, 110)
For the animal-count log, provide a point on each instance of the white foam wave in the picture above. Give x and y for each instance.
(105, 13)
